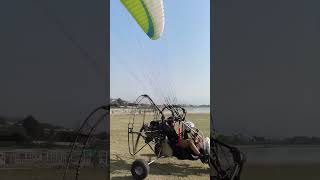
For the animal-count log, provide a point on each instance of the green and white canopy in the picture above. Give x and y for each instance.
(149, 14)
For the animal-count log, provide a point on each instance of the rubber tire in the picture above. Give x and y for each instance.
(145, 167)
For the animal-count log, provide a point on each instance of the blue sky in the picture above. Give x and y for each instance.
(175, 65)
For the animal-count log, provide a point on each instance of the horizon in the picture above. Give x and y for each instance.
(131, 101)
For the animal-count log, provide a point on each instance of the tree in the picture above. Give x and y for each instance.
(19, 137)
(32, 127)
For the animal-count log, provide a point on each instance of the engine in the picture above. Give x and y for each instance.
(152, 131)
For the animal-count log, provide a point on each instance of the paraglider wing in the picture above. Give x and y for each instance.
(149, 14)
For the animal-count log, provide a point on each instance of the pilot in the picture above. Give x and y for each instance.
(184, 143)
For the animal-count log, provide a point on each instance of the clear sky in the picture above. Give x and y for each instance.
(175, 65)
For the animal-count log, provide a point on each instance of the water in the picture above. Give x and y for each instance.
(198, 109)
(279, 155)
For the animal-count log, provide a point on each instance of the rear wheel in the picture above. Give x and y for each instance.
(140, 169)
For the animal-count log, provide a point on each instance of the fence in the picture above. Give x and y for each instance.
(49, 158)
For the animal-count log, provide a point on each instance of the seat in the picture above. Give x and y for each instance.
(184, 154)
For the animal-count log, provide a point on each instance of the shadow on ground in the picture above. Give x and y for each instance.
(179, 170)
(122, 178)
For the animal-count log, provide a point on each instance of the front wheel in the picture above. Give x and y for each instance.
(140, 169)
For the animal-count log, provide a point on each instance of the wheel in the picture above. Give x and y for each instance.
(140, 169)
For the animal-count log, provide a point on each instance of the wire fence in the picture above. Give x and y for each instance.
(50, 158)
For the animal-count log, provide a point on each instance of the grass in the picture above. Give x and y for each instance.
(178, 171)
(281, 171)
(165, 168)
(50, 174)
(168, 168)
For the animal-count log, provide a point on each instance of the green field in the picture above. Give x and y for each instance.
(166, 168)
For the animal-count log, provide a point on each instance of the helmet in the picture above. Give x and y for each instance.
(188, 126)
